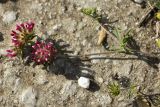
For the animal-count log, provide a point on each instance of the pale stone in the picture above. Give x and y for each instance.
(84, 82)
(28, 97)
(85, 72)
(9, 16)
(139, 1)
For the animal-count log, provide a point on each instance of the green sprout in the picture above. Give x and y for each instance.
(123, 38)
(132, 91)
(92, 12)
(114, 89)
(124, 43)
(158, 42)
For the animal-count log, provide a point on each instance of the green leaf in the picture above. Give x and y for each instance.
(125, 41)
(89, 11)
(92, 12)
(30, 36)
(158, 15)
(158, 42)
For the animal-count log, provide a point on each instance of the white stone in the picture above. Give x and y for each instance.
(85, 72)
(28, 97)
(57, 27)
(139, 1)
(84, 82)
(100, 80)
(107, 61)
(9, 16)
(84, 42)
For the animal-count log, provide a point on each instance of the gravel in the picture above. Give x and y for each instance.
(75, 34)
(68, 90)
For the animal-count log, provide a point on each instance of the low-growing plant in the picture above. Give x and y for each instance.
(124, 42)
(43, 52)
(39, 50)
(114, 89)
(132, 91)
(124, 39)
(92, 12)
(22, 36)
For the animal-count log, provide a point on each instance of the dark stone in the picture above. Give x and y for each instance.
(1, 37)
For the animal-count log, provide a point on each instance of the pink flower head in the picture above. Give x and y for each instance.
(43, 52)
(11, 53)
(22, 33)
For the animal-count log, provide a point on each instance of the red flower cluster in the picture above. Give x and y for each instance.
(43, 52)
(22, 34)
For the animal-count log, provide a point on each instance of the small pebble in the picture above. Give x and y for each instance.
(57, 27)
(100, 80)
(107, 61)
(9, 16)
(84, 82)
(139, 1)
(85, 71)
